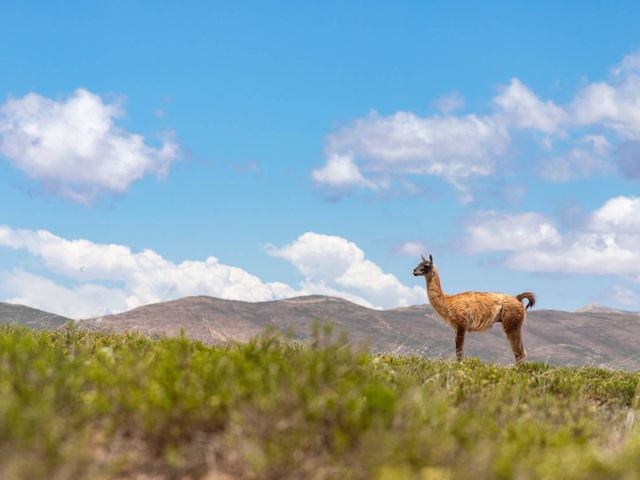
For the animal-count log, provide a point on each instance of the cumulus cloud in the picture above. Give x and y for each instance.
(406, 144)
(340, 172)
(74, 148)
(523, 108)
(590, 155)
(374, 150)
(607, 243)
(81, 301)
(619, 215)
(334, 262)
(492, 231)
(614, 104)
(110, 278)
(447, 146)
(585, 253)
(143, 277)
(630, 63)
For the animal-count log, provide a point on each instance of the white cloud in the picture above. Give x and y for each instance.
(492, 231)
(607, 243)
(585, 253)
(449, 103)
(340, 171)
(449, 146)
(330, 265)
(615, 104)
(406, 144)
(74, 148)
(526, 110)
(589, 156)
(630, 64)
(618, 215)
(82, 301)
(336, 263)
(145, 276)
(374, 150)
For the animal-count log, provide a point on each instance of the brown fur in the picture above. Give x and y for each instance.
(531, 299)
(477, 311)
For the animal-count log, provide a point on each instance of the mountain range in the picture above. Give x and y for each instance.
(592, 336)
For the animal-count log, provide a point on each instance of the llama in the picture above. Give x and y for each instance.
(476, 311)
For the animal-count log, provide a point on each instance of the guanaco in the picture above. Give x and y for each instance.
(476, 311)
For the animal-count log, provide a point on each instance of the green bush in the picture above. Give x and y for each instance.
(78, 404)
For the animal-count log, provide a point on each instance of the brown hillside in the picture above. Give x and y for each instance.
(581, 338)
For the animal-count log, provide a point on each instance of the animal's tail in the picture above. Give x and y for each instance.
(531, 299)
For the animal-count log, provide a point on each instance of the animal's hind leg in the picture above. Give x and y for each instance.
(460, 343)
(512, 325)
(515, 339)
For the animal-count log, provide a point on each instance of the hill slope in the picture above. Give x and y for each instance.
(565, 338)
(30, 317)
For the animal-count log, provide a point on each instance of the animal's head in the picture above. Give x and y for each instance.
(424, 268)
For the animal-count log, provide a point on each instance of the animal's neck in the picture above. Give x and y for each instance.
(434, 290)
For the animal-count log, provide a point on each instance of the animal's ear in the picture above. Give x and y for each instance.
(430, 259)
(422, 257)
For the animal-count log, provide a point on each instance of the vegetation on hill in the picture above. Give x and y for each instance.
(79, 404)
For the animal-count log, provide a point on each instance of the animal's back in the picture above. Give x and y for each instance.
(478, 311)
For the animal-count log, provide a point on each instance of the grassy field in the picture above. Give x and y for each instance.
(76, 404)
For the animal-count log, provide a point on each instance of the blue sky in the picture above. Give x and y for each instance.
(317, 149)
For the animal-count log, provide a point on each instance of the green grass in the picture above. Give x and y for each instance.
(76, 404)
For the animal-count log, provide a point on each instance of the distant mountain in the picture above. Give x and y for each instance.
(30, 317)
(593, 337)
(596, 308)
(214, 319)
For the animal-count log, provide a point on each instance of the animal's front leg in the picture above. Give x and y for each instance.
(460, 331)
